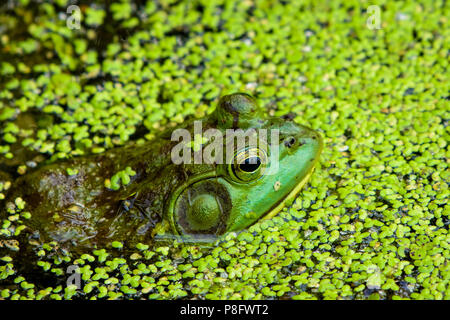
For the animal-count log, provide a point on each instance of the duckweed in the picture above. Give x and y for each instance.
(372, 223)
(121, 177)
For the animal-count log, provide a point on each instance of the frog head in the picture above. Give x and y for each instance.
(255, 178)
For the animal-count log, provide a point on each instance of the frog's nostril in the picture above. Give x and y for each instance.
(289, 142)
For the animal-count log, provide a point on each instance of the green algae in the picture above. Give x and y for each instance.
(371, 224)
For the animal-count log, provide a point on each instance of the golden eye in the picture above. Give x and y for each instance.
(248, 164)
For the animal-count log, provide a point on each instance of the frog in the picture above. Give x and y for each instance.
(80, 203)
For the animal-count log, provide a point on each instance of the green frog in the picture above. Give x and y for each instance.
(142, 192)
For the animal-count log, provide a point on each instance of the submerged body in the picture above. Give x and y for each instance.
(159, 197)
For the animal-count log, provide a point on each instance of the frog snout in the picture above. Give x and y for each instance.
(290, 141)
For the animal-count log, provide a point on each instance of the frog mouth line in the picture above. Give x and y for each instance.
(273, 212)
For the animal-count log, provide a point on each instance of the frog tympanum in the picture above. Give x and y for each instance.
(162, 198)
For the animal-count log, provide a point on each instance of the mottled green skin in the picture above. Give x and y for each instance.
(78, 211)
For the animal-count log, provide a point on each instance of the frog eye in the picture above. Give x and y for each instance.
(248, 165)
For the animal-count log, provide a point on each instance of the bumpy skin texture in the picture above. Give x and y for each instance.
(163, 198)
(80, 211)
